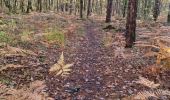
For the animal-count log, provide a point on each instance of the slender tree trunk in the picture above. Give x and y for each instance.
(84, 5)
(101, 6)
(15, 6)
(39, 5)
(1, 3)
(57, 5)
(89, 8)
(169, 14)
(156, 10)
(81, 8)
(22, 6)
(124, 7)
(71, 7)
(8, 5)
(131, 23)
(29, 7)
(109, 10)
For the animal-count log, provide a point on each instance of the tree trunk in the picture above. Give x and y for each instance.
(71, 7)
(131, 23)
(81, 8)
(124, 7)
(39, 5)
(84, 7)
(29, 6)
(156, 10)
(89, 8)
(15, 6)
(22, 6)
(101, 6)
(109, 10)
(169, 14)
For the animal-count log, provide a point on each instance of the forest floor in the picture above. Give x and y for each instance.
(103, 69)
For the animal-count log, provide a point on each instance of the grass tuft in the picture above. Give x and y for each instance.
(55, 36)
(5, 37)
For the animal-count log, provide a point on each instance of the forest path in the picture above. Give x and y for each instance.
(93, 61)
(97, 72)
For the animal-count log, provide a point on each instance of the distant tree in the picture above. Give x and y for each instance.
(131, 23)
(89, 8)
(14, 6)
(39, 5)
(124, 7)
(71, 7)
(156, 10)
(169, 14)
(8, 5)
(81, 8)
(29, 7)
(22, 6)
(109, 11)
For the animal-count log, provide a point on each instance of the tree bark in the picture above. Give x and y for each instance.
(71, 7)
(169, 14)
(89, 8)
(29, 6)
(81, 8)
(109, 11)
(131, 23)
(124, 7)
(156, 10)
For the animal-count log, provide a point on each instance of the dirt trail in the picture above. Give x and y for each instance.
(92, 61)
(97, 73)
(89, 55)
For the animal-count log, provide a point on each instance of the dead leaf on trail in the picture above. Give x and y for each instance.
(119, 52)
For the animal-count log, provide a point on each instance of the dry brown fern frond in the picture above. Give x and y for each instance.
(143, 44)
(3, 91)
(146, 82)
(9, 50)
(166, 63)
(145, 95)
(152, 70)
(19, 50)
(10, 66)
(60, 68)
(33, 92)
(161, 40)
(162, 52)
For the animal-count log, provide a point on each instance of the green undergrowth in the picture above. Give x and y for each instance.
(55, 36)
(5, 38)
(5, 80)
